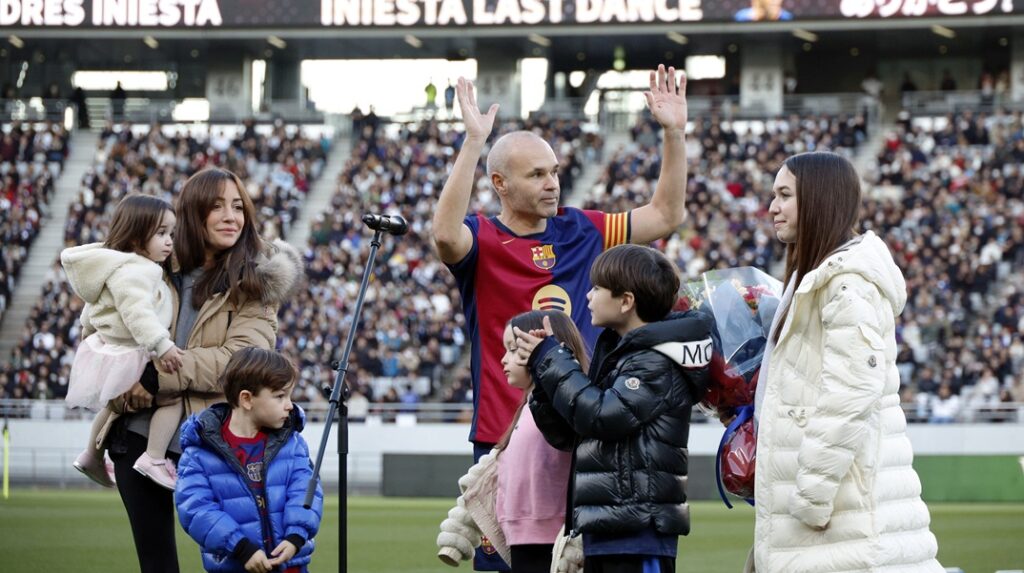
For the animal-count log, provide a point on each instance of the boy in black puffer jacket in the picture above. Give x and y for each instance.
(630, 415)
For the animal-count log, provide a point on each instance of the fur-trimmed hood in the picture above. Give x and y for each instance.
(89, 267)
(282, 271)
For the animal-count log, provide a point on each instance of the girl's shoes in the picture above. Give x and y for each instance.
(162, 471)
(94, 466)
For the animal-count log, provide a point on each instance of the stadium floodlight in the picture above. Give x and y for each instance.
(805, 35)
(540, 40)
(678, 38)
(16, 41)
(151, 42)
(338, 395)
(277, 42)
(413, 41)
(943, 31)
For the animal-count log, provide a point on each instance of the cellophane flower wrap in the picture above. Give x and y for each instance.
(743, 302)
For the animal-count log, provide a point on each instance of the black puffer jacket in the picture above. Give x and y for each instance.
(631, 420)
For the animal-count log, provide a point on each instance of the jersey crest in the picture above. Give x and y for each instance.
(543, 256)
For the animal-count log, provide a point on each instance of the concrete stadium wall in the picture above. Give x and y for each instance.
(959, 462)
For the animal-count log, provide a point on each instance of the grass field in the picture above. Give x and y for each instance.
(86, 532)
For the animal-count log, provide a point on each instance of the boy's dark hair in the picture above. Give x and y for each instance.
(643, 271)
(254, 369)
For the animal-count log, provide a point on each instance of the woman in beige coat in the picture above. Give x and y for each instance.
(834, 486)
(229, 284)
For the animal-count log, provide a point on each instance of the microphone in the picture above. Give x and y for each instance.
(393, 224)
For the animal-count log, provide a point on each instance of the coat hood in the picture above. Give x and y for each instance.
(868, 257)
(89, 266)
(209, 421)
(684, 337)
(282, 271)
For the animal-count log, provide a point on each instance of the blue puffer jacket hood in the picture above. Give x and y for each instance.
(218, 509)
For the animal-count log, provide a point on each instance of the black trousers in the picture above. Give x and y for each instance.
(150, 508)
(628, 564)
(531, 558)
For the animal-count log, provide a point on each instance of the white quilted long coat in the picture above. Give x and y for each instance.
(834, 484)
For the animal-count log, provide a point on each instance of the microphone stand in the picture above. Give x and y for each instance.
(338, 399)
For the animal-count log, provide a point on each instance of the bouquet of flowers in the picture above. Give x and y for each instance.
(743, 302)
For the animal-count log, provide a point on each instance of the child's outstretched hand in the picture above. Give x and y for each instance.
(259, 563)
(282, 553)
(527, 341)
(171, 360)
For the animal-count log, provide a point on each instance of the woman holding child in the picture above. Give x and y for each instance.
(228, 285)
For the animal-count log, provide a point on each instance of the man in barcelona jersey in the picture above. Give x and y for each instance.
(535, 255)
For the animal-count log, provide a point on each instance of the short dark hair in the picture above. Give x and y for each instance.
(643, 271)
(254, 369)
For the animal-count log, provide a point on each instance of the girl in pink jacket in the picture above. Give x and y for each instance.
(516, 495)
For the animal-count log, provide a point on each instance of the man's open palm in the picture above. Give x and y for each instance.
(666, 100)
(477, 124)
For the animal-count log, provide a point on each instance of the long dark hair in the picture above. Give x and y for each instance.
(828, 209)
(565, 332)
(136, 219)
(233, 269)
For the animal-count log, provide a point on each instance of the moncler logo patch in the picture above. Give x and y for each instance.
(633, 383)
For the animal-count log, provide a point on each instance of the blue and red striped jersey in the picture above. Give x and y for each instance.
(505, 274)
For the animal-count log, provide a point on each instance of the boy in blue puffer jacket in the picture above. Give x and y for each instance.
(244, 470)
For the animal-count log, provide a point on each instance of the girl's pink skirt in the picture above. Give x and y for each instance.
(102, 372)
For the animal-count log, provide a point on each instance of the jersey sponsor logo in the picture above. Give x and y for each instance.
(544, 256)
(552, 297)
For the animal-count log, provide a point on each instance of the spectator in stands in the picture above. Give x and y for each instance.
(830, 388)
(945, 406)
(947, 84)
(540, 254)
(117, 97)
(449, 98)
(230, 284)
(81, 110)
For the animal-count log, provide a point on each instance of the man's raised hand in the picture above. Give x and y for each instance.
(478, 125)
(666, 100)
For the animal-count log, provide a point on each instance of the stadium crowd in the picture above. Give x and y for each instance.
(949, 196)
(277, 168)
(31, 158)
(946, 195)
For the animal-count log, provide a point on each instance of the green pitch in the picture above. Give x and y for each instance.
(86, 531)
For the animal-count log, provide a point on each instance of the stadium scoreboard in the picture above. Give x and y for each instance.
(244, 14)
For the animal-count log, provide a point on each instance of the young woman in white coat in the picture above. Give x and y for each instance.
(834, 485)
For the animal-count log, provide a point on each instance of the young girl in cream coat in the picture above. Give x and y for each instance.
(834, 486)
(125, 324)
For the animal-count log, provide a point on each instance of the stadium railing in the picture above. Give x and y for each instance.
(34, 109)
(440, 412)
(943, 102)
